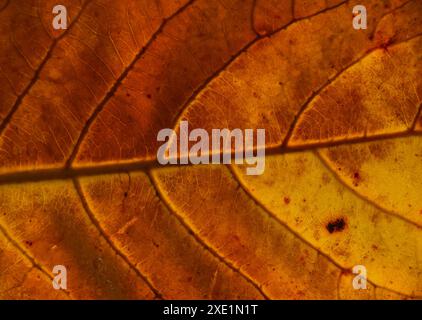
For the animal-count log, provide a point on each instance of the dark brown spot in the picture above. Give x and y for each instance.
(346, 272)
(336, 225)
(148, 96)
(356, 179)
(286, 200)
(125, 194)
(28, 243)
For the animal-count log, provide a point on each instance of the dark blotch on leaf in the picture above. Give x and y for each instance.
(336, 225)
(356, 179)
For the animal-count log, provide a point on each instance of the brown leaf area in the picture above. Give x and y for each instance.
(80, 186)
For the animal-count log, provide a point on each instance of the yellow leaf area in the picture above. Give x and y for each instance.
(80, 185)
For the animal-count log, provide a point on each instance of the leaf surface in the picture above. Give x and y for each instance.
(80, 110)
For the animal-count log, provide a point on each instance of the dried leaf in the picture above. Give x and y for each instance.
(80, 186)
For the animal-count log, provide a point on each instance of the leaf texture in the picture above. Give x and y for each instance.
(80, 185)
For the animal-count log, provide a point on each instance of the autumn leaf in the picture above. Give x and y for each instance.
(80, 185)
